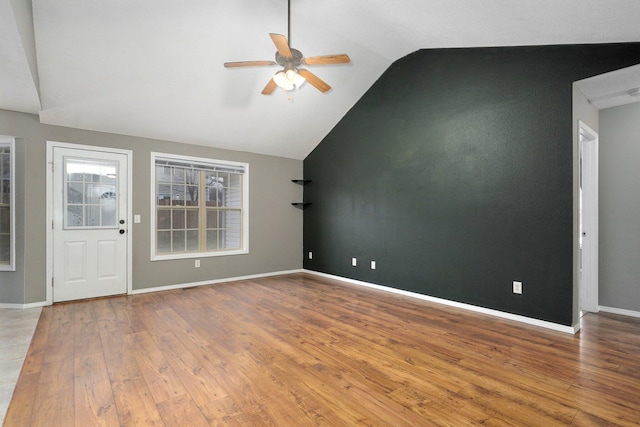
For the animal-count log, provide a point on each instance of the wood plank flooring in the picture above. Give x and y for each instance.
(16, 329)
(299, 350)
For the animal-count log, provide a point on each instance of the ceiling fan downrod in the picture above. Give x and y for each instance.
(289, 21)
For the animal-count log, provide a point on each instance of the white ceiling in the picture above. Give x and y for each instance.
(153, 68)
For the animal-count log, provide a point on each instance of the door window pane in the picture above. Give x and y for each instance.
(90, 196)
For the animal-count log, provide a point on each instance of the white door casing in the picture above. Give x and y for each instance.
(90, 250)
(588, 219)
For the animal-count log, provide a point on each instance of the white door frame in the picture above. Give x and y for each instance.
(588, 258)
(49, 210)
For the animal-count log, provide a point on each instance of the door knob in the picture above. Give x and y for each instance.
(121, 231)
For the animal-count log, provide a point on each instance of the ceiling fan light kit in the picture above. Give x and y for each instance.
(288, 79)
(291, 76)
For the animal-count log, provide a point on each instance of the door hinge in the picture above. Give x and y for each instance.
(52, 166)
(52, 282)
(52, 224)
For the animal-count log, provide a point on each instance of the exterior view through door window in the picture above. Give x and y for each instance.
(90, 193)
(199, 206)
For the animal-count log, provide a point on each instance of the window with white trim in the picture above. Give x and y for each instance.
(7, 204)
(199, 207)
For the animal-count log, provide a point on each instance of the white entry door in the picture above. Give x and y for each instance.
(89, 223)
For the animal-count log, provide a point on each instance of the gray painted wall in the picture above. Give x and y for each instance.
(619, 182)
(30, 265)
(275, 227)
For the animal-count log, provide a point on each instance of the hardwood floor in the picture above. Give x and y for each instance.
(16, 329)
(301, 350)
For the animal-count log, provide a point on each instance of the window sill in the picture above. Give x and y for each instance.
(195, 255)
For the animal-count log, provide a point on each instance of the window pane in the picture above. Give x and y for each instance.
(212, 240)
(163, 221)
(93, 216)
(6, 192)
(215, 190)
(212, 218)
(235, 181)
(191, 195)
(223, 179)
(108, 179)
(163, 195)
(178, 195)
(191, 176)
(75, 217)
(5, 247)
(108, 212)
(163, 241)
(5, 168)
(232, 235)
(74, 193)
(178, 175)
(91, 194)
(178, 222)
(192, 219)
(5, 224)
(193, 243)
(234, 198)
(178, 241)
(163, 173)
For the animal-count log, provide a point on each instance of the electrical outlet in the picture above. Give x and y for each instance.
(517, 287)
(136, 219)
(373, 265)
(310, 255)
(354, 262)
(197, 263)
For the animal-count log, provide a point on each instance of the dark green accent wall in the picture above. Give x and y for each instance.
(454, 173)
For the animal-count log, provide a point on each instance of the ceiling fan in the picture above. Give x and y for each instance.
(291, 59)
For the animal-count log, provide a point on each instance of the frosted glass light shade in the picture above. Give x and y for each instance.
(288, 79)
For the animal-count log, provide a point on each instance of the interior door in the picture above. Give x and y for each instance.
(588, 219)
(89, 223)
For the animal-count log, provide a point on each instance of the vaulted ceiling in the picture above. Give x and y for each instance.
(154, 68)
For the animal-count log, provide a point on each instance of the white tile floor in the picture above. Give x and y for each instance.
(16, 330)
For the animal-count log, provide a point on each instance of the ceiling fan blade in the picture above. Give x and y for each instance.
(314, 80)
(247, 63)
(281, 44)
(327, 59)
(269, 88)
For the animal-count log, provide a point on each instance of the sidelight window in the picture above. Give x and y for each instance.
(7, 204)
(199, 207)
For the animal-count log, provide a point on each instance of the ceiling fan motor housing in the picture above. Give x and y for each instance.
(294, 61)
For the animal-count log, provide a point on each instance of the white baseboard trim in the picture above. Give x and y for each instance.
(212, 282)
(509, 316)
(621, 311)
(23, 306)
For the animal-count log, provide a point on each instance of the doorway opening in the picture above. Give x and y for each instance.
(587, 218)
